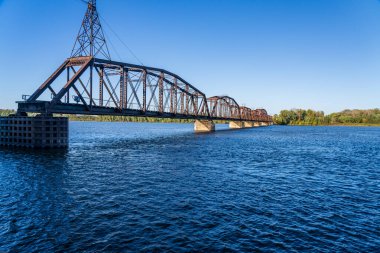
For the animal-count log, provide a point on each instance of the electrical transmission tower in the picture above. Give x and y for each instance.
(91, 40)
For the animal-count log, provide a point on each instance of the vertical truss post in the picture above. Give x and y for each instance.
(91, 80)
(121, 102)
(144, 90)
(101, 80)
(196, 105)
(123, 88)
(175, 95)
(182, 102)
(171, 99)
(125, 94)
(67, 80)
(161, 93)
(187, 99)
(218, 108)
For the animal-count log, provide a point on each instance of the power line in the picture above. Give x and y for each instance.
(83, 2)
(122, 42)
(113, 47)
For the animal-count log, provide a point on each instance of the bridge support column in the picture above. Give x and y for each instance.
(263, 124)
(204, 126)
(248, 124)
(34, 132)
(256, 124)
(236, 124)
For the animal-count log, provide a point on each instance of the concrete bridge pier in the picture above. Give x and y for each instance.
(264, 124)
(256, 124)
(236, 124)
(204, 126)
(248, 124)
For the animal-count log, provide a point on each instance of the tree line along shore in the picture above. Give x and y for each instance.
(298, 117)
(309, 117)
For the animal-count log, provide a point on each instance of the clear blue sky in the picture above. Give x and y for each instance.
(276, 54)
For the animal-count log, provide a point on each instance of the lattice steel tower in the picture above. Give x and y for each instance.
(90, 40)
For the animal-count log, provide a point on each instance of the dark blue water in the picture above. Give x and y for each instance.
(160, 187)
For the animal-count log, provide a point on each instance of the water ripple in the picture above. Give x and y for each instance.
(159, 187)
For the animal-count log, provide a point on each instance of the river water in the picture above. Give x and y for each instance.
(159, 187)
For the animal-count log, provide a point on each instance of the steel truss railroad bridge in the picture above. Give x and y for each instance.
(90, 83)
(116, 88)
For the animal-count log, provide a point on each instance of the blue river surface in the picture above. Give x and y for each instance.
(150, 187)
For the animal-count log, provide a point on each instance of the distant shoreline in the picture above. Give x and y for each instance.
(158, 120)
(301, 117)
(317, 119)
(337, 125)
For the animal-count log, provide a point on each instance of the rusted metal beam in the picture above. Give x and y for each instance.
(84, 87)
(144, 90)
(71, 82)
(161, 94)
(101, 81)
(48, 82)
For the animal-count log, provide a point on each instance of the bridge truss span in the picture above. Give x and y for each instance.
(103, 87)
(91, 86)
(86, 84)
(224, 107)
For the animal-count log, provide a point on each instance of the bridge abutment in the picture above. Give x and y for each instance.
(34, 132)
(236, 124)
(204, 126)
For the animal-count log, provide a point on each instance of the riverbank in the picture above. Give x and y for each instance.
(337, 125)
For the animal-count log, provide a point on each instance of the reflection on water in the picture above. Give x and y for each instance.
(132, 186)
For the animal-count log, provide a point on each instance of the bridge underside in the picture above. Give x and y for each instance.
(43, 107)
